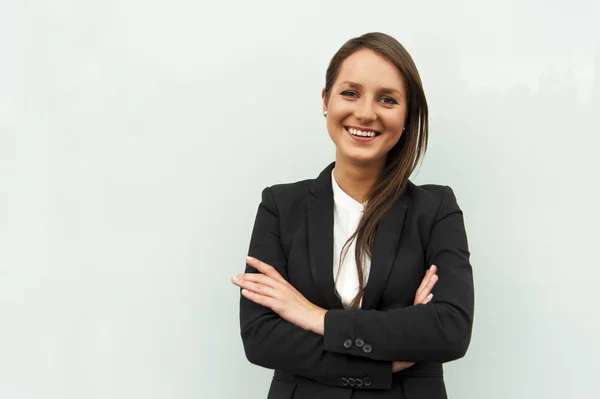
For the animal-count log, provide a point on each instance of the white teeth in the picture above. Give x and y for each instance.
(360, 133)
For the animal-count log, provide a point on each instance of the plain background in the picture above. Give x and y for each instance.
(137, 135)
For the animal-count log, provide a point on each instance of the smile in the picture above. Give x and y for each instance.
(362, 134)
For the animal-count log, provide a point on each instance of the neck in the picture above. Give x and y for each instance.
(355, 179)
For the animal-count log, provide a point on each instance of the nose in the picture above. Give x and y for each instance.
(365, 110)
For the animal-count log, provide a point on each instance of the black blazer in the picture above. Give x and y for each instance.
(293, 232)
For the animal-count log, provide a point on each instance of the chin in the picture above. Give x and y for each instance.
(362, 159)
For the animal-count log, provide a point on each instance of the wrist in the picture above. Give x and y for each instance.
(318, 321)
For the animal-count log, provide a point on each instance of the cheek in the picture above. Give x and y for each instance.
(339, 109)
(333, 127)
(394, 123)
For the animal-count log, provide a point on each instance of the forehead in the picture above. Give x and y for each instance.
(370, 69)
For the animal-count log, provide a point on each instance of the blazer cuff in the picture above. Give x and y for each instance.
(338, 337)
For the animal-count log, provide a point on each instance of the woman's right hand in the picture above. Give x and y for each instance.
(422, 297)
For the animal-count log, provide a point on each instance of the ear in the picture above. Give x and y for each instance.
(323, 98)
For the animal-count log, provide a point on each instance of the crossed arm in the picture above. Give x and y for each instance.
(269, 289)
(282, 330)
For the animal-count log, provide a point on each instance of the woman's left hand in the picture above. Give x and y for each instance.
(268, 288)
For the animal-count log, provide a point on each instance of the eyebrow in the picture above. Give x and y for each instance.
(355, 85)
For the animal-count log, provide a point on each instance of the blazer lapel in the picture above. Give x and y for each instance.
(320, 236)
(320, 243)
(387, 237)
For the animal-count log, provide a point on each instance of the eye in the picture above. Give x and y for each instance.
(348, 93)
(389, 100)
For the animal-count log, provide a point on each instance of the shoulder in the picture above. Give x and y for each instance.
(287, 196)
(431, 197)
(292, 190)
(426, 192)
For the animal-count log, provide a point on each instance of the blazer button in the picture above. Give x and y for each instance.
(351, 382)
(359, 382)
(359, 342)
(344, 382)
(367, 381)
(347, 343)
(367, 348)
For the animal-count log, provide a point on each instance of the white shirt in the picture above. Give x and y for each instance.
(346, 215)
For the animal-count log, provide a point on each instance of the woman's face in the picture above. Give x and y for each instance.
(366, 110)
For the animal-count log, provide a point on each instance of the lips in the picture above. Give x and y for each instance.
(361, 135)
(362, 131)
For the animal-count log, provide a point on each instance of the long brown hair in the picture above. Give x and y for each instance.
(402, 159)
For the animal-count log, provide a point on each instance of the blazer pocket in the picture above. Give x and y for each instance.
(281, 389)
(424, 387)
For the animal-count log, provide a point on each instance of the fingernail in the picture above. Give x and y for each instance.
(433, 277)
(234, 278)
(249, 258)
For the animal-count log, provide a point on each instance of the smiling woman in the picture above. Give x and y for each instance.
(368, 102)
(359, 283)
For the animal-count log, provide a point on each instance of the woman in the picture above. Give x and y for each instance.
(328, 297)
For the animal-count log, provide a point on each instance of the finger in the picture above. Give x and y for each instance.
(424, 281)
(260, 278)
(258, 298)
(264, 268)
(422, 295)
(432, 281)
(256, 288)
(428, 299)
(404, 365)
(431, 271)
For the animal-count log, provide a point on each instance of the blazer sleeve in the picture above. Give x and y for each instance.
(272, 342)
(439, 331)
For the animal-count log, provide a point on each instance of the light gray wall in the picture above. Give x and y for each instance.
(136, 136)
